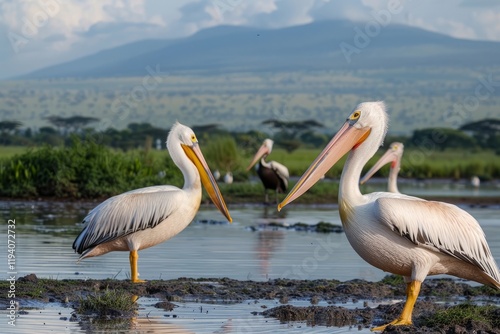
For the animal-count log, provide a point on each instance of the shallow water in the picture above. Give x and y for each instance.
(186, 318)
(45, 232)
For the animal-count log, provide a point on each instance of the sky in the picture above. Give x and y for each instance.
(39, 33)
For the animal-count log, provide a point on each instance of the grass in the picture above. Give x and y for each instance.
(464, 315)
(87, 170)
(109, 300)
(10, 151)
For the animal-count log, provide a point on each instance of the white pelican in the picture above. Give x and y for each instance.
(273, 175)
(145, 217)
(400, 234)
(216, 175)
(393, 155)
(475, 181)
(228, 178)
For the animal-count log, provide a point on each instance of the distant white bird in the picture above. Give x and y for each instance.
(273, 175)
(475, 182)
(228, 178)
(216, 175)
(145, 217)
(393, 155)
(400, 234)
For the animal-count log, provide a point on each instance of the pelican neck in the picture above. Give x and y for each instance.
(263, 162)
(188, 169)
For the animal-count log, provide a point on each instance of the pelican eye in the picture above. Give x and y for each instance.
(395, 147)
(193, 138)
(355, 115)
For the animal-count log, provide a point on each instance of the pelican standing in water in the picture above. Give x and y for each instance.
(400, 234)
(273, 175)
(145, 217)
(393, 156)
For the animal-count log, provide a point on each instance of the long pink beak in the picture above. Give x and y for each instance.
(388, 157)
(346, 139)
(263, 150)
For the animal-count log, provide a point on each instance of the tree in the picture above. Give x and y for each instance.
(290, 132)
(8, 127)
(441, 138)
(486, 132)
(74, 123)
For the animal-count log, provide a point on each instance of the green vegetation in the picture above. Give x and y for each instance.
(106, 302)
(10, 151)
(465, 315)
(82, 170)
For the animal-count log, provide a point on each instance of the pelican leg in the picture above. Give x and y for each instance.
(133, 267)
(412, 291)
(266, 198)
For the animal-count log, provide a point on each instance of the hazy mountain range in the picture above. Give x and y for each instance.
(315, 46)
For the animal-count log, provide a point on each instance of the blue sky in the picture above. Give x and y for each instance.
(38, 33)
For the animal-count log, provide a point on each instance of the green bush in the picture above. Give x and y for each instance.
(84, 169)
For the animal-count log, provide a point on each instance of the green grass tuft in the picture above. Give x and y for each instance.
(393, 280)
(106, 302)
(464, 315)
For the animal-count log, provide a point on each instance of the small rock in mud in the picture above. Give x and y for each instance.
(28, 278)
(316, 315)
(166, 305)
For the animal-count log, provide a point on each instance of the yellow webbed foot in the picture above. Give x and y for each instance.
(397, 322)
(138, 280)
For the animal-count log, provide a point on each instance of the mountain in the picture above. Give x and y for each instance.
(316, 46)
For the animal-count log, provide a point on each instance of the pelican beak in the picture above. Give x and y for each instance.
(263, 150)
(348, 138)
(388, 157)
(194, 154)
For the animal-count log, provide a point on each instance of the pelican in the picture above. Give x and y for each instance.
(475, 181)
(273, 175)
(400, 234)
(393, 155)
(228, 178)
(145, 217)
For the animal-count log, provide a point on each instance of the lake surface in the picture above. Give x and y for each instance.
(243, 250)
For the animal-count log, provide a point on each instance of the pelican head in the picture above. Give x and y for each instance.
(393, 156)
(264, 150)
(356, 130)
(183, 135)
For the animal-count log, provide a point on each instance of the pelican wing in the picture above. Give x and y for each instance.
(281, 170)
(127, 213)
(440, 226)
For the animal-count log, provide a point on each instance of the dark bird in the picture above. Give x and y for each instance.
(273, 175)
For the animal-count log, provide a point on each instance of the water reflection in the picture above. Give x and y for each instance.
(267, 243)
(270, 212)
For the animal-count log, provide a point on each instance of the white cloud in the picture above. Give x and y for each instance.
(490, 27)
(52, 31)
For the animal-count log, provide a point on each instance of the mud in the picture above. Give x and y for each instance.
(436, 294)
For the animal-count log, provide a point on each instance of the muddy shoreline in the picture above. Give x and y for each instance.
(436, 294)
